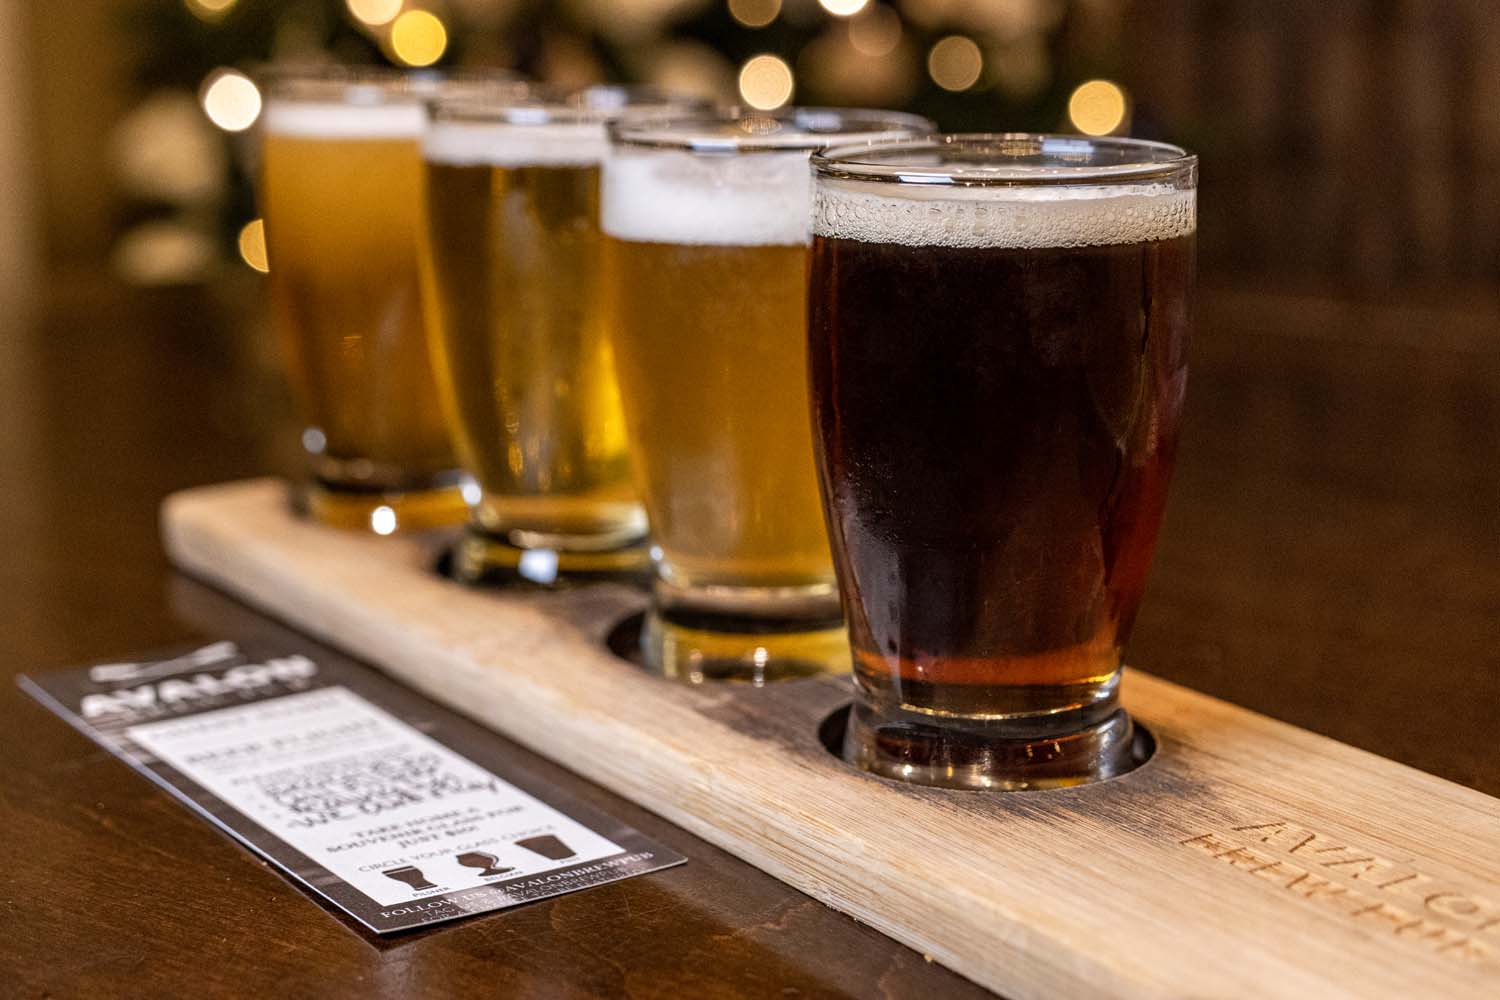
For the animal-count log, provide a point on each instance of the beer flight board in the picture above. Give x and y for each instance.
(1245, 858)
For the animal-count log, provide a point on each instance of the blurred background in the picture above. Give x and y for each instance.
(1347, 144)
(1329, 554)
(1350, 148)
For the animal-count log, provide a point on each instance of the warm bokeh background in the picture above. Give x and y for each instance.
(1349, 145)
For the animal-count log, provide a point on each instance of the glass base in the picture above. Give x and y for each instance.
(1050, 751)
(747, 651)
(553, 561)
(382, 511)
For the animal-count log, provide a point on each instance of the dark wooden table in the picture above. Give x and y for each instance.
(1330, 558)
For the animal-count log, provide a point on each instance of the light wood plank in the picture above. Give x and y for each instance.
(1248, 858)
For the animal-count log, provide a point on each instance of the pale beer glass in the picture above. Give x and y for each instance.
(522, 341)
(340, 189)
(706, 233)
(998, 333)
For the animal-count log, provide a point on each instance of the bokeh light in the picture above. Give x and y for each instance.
(231, 100)
(209, 10)
(766, 82)
(754, 13)
(955, 63)
(253, 245)
(876, 32)
(843, 8)
(1097, 107)
(374, 12)
(383, 520)
(418, 38)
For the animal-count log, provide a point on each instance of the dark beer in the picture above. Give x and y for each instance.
(998, 429)
(997, 378)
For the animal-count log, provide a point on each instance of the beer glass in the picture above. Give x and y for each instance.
(998, 332)
(706, 233)
(340, 189)
(521, 340)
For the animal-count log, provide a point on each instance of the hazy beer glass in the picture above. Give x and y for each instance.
(521, 339)
(706, 225)
(998, 332)
(340, 189)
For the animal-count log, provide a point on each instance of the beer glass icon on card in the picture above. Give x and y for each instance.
(411, 875)
(548, 846)
(487, 863)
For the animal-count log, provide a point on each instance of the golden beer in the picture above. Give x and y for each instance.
(706, 226)
(722, 435)
(340, 189)
(522, 343)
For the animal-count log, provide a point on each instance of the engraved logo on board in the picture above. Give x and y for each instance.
(1379, 893)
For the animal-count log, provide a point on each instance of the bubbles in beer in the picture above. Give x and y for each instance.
(1017, 218)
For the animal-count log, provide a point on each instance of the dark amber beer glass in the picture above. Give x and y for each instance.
(706, 235)
(523, 346)
(998, 332)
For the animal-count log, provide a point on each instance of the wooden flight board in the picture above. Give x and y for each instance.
(1246, 858)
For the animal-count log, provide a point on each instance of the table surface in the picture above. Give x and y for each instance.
(1330, 558)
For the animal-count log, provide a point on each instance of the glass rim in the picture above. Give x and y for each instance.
(319, 83)
(1139, 160)
(705, 133)
(544, 104)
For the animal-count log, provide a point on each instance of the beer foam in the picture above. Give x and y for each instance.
(1018, 218)
(319, 120)
(748, 199)
(501, 144)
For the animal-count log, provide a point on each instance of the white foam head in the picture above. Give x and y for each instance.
(733, 180)
(676, 196)
(1002, 216)
(510, 144)
(337, 120)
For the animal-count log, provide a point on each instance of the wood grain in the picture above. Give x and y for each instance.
(1247, 858)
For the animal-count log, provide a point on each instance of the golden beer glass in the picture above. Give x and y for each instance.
(340, 189)
(706, 223)
(522, 342)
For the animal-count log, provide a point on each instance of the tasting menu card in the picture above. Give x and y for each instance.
(395, 810)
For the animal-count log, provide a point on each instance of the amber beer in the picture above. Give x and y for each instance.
(998, 367)
(341, 192)
(707, 227)
(522, 342)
